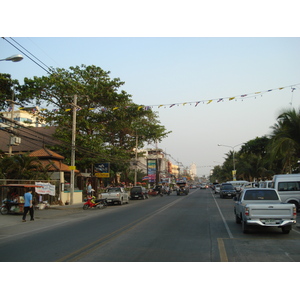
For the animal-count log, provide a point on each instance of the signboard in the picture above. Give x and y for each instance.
(46, 188)
(152, 168)
(102, 170)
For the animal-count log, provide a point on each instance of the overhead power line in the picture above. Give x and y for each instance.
(47, 70)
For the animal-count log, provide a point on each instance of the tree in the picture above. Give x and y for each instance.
(8, 86)
(107, 119)
(253, 163)
(285, 141)
(22, 167)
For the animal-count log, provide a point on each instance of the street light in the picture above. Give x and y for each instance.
(233, 160)
(13, 58)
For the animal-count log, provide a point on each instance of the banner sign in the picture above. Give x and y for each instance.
(45, 189)
(151, 167)
(102, 170)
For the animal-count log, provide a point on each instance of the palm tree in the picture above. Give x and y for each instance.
(22, 167)
(285, 140)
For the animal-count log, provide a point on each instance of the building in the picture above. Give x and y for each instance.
(163, 169)
(193, 171)
(27, 116)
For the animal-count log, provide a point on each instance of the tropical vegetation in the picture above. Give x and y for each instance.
(262, 157)
(109, 125)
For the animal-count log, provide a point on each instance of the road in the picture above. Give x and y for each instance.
(199, 227)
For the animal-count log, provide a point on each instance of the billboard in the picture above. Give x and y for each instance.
(152, 169)
(102, 170)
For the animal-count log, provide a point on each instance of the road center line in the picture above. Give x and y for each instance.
(76, 255)
(222, 250)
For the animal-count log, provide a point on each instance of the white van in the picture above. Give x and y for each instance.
(288, 187)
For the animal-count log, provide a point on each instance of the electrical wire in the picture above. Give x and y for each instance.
(48, 71)
(30, 53)
(28, 56)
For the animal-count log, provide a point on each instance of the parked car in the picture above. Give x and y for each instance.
(217, 188)
(138, 192)
(227, 190)
(263, 207)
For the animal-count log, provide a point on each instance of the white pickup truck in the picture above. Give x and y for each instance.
(263, 207)
(115, 195)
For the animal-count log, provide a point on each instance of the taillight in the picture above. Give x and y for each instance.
(294, 211)
(246, 211)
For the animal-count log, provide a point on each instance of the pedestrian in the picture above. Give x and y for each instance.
(28, 205)
(89, 189)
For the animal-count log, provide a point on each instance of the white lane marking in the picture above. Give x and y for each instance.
(224, 221)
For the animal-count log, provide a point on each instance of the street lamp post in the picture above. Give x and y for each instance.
(233, 160)
(13, 58)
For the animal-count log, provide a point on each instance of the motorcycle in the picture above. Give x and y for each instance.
(11, 207)
(91, 202)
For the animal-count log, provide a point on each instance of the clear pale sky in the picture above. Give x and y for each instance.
(166, 70)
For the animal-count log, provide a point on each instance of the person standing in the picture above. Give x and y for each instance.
(28, 205)
(89, 189)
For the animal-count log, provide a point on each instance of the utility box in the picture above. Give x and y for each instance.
(15, 140)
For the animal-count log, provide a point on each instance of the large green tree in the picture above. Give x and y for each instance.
(8, 90)
(107, 121)
(285, 141)
(253, 162)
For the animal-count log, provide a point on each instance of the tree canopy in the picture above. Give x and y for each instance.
(265, 156)
(8, 88)
(107, 120)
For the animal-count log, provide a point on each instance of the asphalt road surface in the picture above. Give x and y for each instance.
(199, 227)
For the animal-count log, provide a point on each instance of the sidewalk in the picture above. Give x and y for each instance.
(53, 212)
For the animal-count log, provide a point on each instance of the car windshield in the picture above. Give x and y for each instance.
(136, 189)
(111, 190)
(260, 195)
(227, 187)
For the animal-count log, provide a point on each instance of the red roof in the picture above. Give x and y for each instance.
(46, 153)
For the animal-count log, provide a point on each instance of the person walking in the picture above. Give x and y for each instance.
(28, 205)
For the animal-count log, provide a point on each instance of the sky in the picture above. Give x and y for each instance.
(178, 76)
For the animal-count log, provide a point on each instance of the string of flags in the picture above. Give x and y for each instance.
(195, 103)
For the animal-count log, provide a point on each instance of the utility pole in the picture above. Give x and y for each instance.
(11, 123)
(135, 169)
(73, 167)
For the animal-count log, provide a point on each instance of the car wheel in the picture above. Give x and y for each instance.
(286, 229)
(237, 219)
(245, 227)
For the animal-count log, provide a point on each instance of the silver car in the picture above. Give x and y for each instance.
(217, 188)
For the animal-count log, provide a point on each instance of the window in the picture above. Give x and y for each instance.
(260, 195)
(289, 186)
